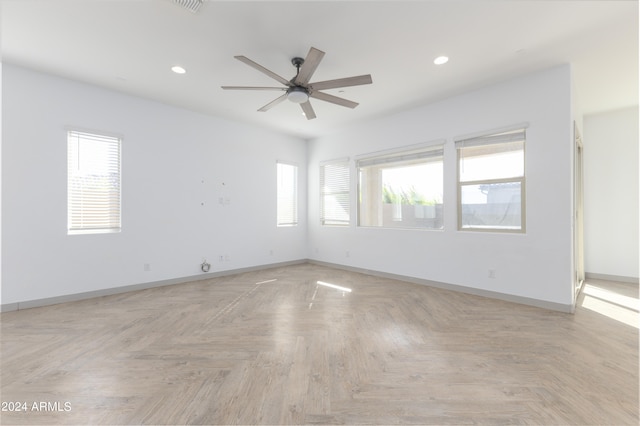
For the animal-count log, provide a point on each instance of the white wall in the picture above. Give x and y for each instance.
(167, 154)
(535, 265)
(611, 193)
(0, 182)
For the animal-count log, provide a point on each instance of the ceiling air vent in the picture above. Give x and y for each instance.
(191, 5)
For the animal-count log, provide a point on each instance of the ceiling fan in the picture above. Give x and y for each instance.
(298, 90)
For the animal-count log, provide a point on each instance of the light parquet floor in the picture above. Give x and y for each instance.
(276, 347)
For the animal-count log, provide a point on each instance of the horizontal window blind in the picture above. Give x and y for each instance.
(491, 157)
(433, 153)
(482, 150)
(334, 193)
(513, 136)
(287, 193)
(93, 183)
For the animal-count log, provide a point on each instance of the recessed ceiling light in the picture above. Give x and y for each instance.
(441, 60)
(178, 69)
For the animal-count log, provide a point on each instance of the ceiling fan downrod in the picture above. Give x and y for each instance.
(297, 94)
(297, 62)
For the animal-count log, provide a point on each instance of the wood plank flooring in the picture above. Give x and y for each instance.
(277, 347)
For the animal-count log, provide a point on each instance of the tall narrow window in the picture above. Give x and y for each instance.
(93, 183)
(491, 182)
(334, 193)
(287, 209)
(402, 189)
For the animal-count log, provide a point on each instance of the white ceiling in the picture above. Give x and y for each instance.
(130, 45)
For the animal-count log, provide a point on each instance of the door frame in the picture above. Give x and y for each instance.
(578, 206)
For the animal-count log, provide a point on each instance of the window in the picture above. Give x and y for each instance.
(334, 193)
(93, 183)
(402, 189)
(491, 182)
(287, 214)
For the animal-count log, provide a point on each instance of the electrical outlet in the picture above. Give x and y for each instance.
(347, 254)
(221, 258)
(492, 273)
(147, 267)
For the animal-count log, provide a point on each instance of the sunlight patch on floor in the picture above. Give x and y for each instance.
(337, 287)
(613, 305)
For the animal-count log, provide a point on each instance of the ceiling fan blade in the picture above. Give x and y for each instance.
(309, 66)
(273, 103)
(252, 88)
(263, 70)
(190, 5)
(333, 99)
(308, 110)
(341, 82)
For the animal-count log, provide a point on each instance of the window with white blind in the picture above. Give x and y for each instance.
(287, 190)
(334, 193)
(93, 183)
(402, 189)
(491, 182)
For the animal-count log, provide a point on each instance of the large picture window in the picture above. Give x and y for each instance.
(93, 183)
(402, 189)
(491, 182)
(334, 193)
(287, 190)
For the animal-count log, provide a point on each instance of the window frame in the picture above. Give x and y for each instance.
(422, 151)
(295, 202)
(98, 136)
(340, 162)
(521, 128)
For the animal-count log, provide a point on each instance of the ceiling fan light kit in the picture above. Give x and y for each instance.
(297, 95)
(298, 90)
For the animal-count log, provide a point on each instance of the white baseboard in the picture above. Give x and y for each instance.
(35, 303)
(553, 306)
(607, 277)
(142, 286)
